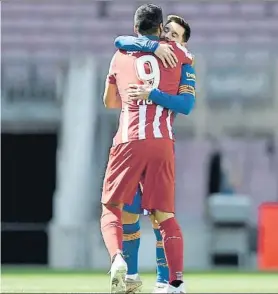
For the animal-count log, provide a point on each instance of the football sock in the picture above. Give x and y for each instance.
(111, 229)
(173, 246)
(162, 270)
(131, 245)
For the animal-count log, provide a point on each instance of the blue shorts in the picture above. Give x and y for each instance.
(135, 207)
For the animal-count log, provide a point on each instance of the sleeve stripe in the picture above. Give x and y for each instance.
(187, 92)
(186, 87)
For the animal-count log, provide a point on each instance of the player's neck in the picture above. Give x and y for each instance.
(151, 37)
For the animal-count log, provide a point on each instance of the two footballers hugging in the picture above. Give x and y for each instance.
(151, 79)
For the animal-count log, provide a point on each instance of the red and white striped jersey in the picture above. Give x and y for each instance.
(143, 119)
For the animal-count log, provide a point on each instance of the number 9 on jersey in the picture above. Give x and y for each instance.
(148, 62)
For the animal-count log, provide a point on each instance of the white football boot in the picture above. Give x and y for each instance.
(170, 289)
(159, 287)
(118, 273)
(133, 285)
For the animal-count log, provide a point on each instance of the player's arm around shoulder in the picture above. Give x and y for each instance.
(162, 50)
(182, 103)
(130, 43)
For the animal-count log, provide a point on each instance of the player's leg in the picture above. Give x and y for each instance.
(131, 242)
(162, 270)
(121, 169)
(158, 196)
(111, 228)
(173, 246)
(131, 230)
(120, 184)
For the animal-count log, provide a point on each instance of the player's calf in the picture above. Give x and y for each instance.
(131, 243)
(112, 232)
(162, 270)
(173, 246)
(111, 229)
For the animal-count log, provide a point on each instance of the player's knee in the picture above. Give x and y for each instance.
(107, 209)
(154, 221)
(129, 218)
(161, 216)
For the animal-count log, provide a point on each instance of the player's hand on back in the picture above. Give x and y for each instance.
(165, 53)
(136, 92)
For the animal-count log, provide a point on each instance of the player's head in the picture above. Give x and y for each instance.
(176, 29)
(148, 20)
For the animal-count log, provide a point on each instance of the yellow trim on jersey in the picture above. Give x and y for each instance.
(131, 237)
(186, 89)
(187, 92)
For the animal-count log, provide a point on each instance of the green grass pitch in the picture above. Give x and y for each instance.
(49, 281)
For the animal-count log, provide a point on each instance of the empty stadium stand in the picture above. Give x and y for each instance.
(57, 28)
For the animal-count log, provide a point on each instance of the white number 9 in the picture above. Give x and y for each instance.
(153, 77)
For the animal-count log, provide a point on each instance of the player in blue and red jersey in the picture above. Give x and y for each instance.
(142, 150)
(175, 29)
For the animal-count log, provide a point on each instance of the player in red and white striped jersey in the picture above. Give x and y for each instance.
(143, 149)
(143, 119)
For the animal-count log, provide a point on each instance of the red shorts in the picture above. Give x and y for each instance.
(150, 161)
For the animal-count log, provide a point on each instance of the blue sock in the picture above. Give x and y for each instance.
(162, 269)
(131, 245)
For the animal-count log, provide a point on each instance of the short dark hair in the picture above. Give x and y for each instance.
(179, 20)
(148, 18)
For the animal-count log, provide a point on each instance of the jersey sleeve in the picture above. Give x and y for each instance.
(182, 53)
(188, 80)
(183, 102)
(111, 76)
(130, 43)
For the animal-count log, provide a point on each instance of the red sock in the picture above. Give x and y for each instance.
(173, 246)
(112, 229)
